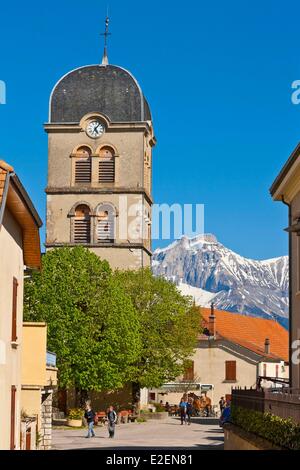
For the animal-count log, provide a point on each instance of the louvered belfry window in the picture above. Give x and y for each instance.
(106, 224)
(82, 225)
(83, 165)
(107, 165)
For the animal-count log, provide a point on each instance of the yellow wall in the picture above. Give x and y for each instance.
(31, 403)
(11, 265)
(34, 354)
(34, 371)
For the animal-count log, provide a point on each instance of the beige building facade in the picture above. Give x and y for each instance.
(100, 142)
(233, 351)
(286, 189)
(19, 246)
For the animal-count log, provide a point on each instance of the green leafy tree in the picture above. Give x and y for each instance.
(92, 324)
(169, 328)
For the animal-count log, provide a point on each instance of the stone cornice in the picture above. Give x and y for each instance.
(93, 190)
(127, 246)
(74, 127)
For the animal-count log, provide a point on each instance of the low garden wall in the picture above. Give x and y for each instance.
(156, 415)
(255, 430)
(236, 438)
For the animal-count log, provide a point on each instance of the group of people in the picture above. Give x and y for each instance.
(185, 410)
(91, 419)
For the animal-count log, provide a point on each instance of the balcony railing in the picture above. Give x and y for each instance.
(284, 402)
(50, 359)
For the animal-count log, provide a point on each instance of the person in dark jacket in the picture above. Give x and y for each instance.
(182, 410)
(90, 417)
(189, 410)
(226, 414)
(111, 421)
(222, 404)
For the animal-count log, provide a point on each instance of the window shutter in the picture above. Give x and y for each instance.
(107, 170)
(105, 231)
(13, 417)
(14, 310)
(82, 230)
(83, 171)
(230, 370)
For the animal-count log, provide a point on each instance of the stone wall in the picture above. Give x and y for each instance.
(46, 422)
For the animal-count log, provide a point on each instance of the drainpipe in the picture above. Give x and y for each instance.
(290, 292)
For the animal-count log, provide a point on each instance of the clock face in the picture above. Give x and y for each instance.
(95, 129)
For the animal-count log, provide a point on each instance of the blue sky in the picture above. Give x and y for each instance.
(218, 78)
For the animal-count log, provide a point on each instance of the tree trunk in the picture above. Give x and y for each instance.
(136, 397)
(81, 397)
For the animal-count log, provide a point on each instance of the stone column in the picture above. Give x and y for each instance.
(46, 422)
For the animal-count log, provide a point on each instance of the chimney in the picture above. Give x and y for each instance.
(212, 321)
(267, 346)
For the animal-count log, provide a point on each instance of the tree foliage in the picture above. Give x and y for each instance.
(169, 326)
(92, 325)
(107, 328)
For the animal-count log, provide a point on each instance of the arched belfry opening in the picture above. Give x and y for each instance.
(107, 165)
(82, 224)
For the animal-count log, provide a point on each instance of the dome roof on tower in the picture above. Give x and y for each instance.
(105, 89)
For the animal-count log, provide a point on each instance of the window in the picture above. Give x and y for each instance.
(189, 372)
(82, 224)
(151, 396)
(14, 310)
(107, 165)
(106, 224)
(83, 165)
(230, 370)
(13, 417)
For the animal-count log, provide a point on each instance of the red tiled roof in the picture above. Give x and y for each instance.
(251, 332)
(17, 201)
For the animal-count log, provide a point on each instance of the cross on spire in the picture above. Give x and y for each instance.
(105, 34)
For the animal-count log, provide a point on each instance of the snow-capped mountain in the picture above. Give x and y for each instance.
(207, 270)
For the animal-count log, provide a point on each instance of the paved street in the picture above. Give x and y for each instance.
(202, 434)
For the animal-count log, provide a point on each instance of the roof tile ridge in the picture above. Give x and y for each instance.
(6, 166)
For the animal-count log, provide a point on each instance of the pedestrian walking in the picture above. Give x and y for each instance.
(226, 414)
(189, 410)
(182, 410)
(90, 418)
(111, 421)
(222, 404)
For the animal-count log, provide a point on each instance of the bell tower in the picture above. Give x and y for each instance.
(100, 142)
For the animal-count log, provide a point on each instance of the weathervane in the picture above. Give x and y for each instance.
(105, 34)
